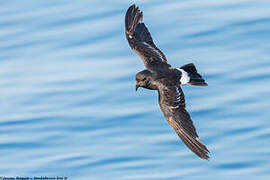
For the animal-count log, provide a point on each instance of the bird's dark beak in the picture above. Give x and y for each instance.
(137, 87)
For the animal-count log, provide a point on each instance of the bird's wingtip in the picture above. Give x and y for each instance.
(133, 6)
(133, 17)
(204, 154)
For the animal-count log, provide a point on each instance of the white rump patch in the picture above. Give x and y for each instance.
(185, 78)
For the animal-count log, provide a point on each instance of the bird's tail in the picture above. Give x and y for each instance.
(194, 78)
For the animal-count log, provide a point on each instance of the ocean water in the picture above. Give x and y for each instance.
(68, 105)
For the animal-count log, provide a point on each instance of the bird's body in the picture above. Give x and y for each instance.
(164, 78)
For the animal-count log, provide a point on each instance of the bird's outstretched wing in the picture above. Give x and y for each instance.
(140, 39)
(172, 103)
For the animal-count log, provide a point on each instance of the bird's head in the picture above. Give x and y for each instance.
(143, 79)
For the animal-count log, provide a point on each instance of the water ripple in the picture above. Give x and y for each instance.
(69, 105)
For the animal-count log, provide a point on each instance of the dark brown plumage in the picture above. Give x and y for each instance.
(159, 75)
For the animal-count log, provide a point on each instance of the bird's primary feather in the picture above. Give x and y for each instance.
(172, 103)
(140, 40)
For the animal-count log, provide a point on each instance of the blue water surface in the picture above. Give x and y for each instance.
(68, 105)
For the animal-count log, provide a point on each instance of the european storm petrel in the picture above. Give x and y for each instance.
(161, 76)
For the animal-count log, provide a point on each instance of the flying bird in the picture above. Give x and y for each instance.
(161, 76)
